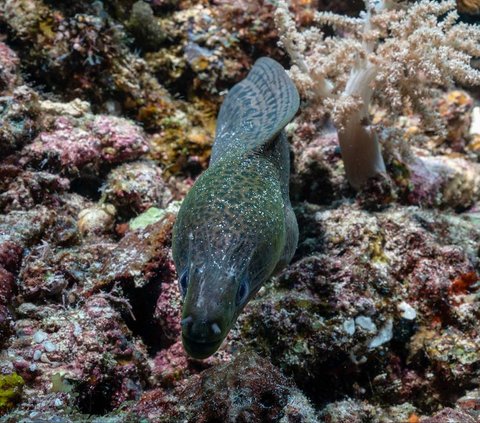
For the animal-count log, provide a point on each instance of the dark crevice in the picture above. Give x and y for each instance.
(95, 401)
(143, 302)
(87, 186)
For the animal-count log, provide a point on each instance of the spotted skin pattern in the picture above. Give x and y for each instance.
(236, 226)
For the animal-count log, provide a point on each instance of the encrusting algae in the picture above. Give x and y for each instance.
(10, 390)
(108, 112)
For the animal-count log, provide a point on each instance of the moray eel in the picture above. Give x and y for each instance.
(236, 226)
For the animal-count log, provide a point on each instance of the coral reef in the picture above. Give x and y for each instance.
(469, 6)
(10, 390)
(390, 54)
(9, 74)
(18, 113)
(107, 116)
(76, 147)
(142, 24)
(135, 187)
(247, 389)
(80, 356)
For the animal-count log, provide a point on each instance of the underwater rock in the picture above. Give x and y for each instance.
(375, 320)
(9, 75)
(454, 108)
(144, 26)
(185, 141)
(142, 256)
(18, 114)
(134, 187)
(317, 176)
(81, 356)
(75, 108)
(343, 303)
(377, 193)
(247, 389)
(449, 415)
(23, 190)
(424, 180)
(10, 259)
(444, 181)
(470, 403)
(82, 52)
(10, 256)
(251, 23)
(40, 224)
(212, 45)
(356, 411)
(120, 140)
(172, 367)
(454, 356)
(168, 314)
(347, 411)
(26, 228)
(77, 146)
(25, 17)
(62, 275)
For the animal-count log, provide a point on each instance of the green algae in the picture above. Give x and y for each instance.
(60, 384)
(11, 387)
(153, 215)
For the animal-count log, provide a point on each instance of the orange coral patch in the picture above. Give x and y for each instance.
(462, 283)
(413, 419)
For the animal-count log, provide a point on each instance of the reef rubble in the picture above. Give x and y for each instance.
(107, 116)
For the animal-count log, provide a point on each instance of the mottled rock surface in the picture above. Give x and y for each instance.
(107, 117)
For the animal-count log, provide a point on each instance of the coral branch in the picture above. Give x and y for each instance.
(393, 55)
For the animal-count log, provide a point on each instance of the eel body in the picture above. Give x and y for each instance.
(236, 226)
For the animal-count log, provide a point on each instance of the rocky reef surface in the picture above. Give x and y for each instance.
(107, 116)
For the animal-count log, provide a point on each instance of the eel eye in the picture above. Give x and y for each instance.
(243, 291)
(183, 281)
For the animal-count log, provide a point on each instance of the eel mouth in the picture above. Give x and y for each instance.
(199, 349)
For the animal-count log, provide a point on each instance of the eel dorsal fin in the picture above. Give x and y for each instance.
(256, 109)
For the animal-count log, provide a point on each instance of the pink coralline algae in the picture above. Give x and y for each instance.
(10, 259)
(378, 286)
(9, 76)
(168, 312)
(172, 367)
(107, 115)
(120, 139)
(249, 389)
(74, 147)
(81, 356)
(23, 190)
(171, 364)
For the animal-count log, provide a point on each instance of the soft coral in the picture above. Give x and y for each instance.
(392, 54)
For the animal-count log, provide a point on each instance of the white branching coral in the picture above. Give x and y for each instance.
(393, 55)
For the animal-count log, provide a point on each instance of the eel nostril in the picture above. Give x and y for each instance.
(187, 322)
(216, 329)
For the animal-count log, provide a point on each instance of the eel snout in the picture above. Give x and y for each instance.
(201, 338)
